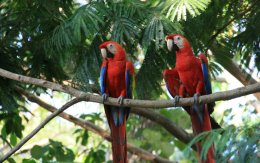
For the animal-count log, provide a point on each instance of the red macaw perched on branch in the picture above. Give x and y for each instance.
(190, 78)
(116, 80)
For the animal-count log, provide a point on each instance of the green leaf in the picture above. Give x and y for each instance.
(179, 144)
(95, 156)
(11, 160)
(177, 10)
(3, 132)
(167, 149)
(29, 161)
(136, 142)
(37, 152)
(13, 139)
(152, 135)
(85, 137)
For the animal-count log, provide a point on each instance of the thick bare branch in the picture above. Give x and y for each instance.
(225, 95)
(92, 127)
(38, 128)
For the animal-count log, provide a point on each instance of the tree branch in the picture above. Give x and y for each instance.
(170, 126)
(37, 129)
(225, 95)
(92, 127)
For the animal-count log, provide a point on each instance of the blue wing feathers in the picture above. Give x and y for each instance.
(128, 85)
(102, 80)
(121, 116)
(117, 114)
(206, 78)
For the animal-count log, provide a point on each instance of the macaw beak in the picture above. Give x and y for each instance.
(103, 52)
(171, 45)
(106, 53)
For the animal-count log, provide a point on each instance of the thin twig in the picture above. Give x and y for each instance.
(92, 127)
(225, 95)
(38, 128)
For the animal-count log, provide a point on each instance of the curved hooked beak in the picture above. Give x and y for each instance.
(171, 45)
(104, 52)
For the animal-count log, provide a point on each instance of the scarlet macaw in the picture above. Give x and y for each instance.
(116, 80)
(190, 78)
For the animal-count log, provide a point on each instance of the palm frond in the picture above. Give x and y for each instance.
(149, 77)
(83, 24)
(124, 27)
(87, 74)
(157, 29)
(246, 42)
(236, 144)
(177, 10)
(125, 18)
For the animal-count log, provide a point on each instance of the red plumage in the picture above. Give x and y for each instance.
(189, 81)
(115, 74)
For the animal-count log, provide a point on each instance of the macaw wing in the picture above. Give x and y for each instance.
(172, 81)
(130, 83)
(208, 89)
(204, 67)
(103, 73)
(130, 79)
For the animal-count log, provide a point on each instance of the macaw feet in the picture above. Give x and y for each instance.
(104, 97)
(176, 100)
(120, 100)
(197, 107)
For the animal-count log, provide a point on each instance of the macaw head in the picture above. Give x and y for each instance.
(112, 50)
(176, 42)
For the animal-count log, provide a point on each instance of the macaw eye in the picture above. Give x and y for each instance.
(110, 46)
(178, 38)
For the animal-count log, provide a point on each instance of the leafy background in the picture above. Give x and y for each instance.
(58, 41)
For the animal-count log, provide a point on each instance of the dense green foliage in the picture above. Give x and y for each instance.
(58, 40)
(241, 144)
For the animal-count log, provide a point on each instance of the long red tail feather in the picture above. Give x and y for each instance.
(119, 146)
(198, 128)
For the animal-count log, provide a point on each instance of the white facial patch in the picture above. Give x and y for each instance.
(104, 53)
(111, 48)
(179, 41)
(169, 44)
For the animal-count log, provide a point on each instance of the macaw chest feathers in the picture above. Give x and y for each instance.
(185, 64)
(116, 69)
(115, 74)
(116, 77)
